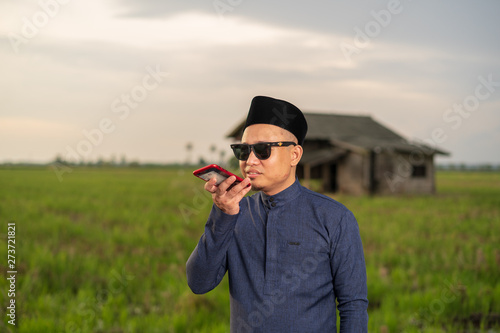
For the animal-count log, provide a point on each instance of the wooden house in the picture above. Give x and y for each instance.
(357, 155)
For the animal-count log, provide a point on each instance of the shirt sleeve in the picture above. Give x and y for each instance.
(349, 274)
(206, 266)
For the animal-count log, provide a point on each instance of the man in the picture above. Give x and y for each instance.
(290, 253)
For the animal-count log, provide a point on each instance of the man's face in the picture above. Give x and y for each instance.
(276, 173)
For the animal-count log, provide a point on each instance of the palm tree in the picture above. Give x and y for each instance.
(189, 149)
(213, 148)
(222, 153)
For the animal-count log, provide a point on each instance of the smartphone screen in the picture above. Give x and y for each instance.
(210, 171)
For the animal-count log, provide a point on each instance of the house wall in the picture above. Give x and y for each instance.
(351, 174)
(394, 174)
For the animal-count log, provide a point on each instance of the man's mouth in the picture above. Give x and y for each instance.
(253, 173)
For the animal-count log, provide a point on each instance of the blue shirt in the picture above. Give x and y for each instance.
(289, 257)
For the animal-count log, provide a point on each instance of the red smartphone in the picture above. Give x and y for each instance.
(213, 170)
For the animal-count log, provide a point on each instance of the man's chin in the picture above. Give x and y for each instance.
(256, 187)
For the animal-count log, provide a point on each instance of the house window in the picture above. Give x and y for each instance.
(418, 171)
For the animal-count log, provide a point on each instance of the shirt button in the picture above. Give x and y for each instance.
(273, 204)
(271, 199)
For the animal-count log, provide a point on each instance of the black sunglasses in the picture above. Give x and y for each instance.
(262, 150)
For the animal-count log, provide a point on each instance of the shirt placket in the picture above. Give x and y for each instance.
(271, 274)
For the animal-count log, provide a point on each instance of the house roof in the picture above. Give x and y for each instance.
(357, 133)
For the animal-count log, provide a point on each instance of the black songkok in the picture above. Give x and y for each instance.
(267, 110)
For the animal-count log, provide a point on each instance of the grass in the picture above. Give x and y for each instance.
(105, 250)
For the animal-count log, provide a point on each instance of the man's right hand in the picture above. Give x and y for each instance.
(228, 201)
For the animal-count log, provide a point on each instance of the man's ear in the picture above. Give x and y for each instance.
(296, 153)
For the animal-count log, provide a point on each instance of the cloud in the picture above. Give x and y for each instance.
(21, 126)
(444, 25)
(162, 9)
(32, 138)
(92, 52)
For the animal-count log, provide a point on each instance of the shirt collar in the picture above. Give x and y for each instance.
(281, 198)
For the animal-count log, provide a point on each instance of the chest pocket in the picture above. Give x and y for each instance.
(298, 253)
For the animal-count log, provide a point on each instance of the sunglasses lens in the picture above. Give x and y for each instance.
(262, 151)
(241, 152)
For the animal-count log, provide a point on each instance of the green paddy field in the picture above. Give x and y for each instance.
(104, 250)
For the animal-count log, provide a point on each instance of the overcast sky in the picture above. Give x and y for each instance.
(90, 79)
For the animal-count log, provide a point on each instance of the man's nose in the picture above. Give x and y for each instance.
(252, 159)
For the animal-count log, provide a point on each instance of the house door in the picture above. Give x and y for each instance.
(333, 178)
